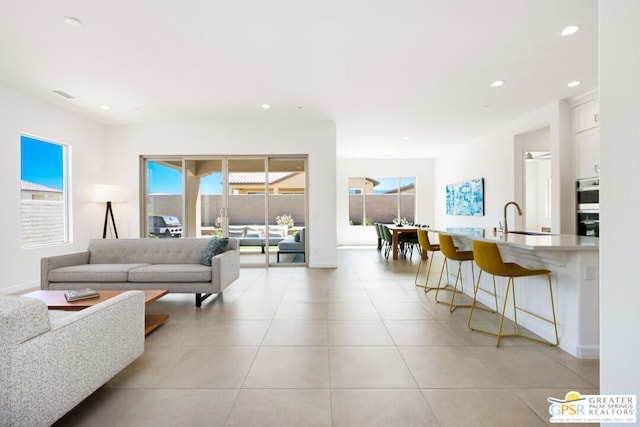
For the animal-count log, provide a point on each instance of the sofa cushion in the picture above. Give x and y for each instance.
(93, 273)
(237, 231)
(215, 247)
(290, 245)
(167, 273)
(146, 251)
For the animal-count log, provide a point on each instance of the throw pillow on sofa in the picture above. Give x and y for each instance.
(215, 247)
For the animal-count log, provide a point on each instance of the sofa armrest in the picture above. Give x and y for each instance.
(49, 263)
(225, 268)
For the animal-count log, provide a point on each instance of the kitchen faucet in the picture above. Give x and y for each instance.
(506, 230)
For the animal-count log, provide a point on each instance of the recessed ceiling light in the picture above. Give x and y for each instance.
(574, 83)
(72, 21)
(105, 107)
(266, 106)
(405, 138)
(497, 83)
(571, 29)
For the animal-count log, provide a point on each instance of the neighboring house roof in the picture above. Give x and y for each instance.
(32, 186)
(403, 188)
(258, 177)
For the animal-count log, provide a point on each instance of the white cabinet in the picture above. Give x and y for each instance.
(586, 116)
(587, 153)
(586, 138)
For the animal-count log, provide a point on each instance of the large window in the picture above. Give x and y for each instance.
(381, 199)
(44, 212)
(260, 200)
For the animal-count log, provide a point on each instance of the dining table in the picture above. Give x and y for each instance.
(395, 231)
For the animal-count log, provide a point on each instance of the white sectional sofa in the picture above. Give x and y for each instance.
(172, 264)
(51, 360)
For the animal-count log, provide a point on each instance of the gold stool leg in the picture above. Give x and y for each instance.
(499, 334)
(452, 305)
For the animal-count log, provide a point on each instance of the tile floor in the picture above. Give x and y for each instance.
(359, 345)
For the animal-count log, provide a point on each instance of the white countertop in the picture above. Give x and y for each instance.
(552, 242)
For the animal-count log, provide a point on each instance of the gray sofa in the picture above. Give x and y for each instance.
(292, 245)
(51, 360)
(172, 264)
(254, 235)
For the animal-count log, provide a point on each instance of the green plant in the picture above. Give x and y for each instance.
(368, 221)
(218, 222)
(285, 219)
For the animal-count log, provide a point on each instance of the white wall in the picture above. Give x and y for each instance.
(21, 113)
(318, 141)
(421, 169)
(619, 202)
(495, 158)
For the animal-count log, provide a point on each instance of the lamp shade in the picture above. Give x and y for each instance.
(107, 193)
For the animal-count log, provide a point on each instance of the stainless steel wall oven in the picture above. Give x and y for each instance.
(588, 207)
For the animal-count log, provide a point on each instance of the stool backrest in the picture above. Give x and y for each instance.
(423, 240)
(447, 247)
(487, 256)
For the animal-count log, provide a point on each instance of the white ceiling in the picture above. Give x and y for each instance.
(382, 70)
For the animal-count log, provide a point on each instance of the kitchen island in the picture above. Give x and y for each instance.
(574, 264)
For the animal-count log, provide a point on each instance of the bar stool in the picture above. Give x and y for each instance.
(488, 258)
(450, 252)
(426, 246)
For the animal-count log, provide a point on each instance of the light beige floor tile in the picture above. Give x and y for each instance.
(289, 367)
(148, 369)
(305, 295)
(351, 311)
(536, 399)
(586, 368)
(380, 408)
(233, 332)
(348, 295)
(521, 367)
(280, 408)
(297, 333)
(302, 311)
(402, 311)
(449, 367)
(420, 332)
(480, 407)
(210, 367)
(368, 367)
(389, 295)
(246, 311)
(104, 408)
(184, 407)
(176, 332)
(358, 332)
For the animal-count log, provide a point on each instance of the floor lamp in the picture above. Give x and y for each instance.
(109, 194)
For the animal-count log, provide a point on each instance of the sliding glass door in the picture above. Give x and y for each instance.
(259, 200)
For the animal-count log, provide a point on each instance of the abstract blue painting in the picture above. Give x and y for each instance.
(466, 198)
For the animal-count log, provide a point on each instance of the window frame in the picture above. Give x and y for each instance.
(67, 236)
(366, 219)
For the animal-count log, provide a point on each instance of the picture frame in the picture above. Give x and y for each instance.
(465, 198)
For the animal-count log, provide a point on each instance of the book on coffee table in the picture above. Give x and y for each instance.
(77, 294)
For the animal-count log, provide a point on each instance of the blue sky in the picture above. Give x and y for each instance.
(163, 179)
(41, 162)
(387, 184)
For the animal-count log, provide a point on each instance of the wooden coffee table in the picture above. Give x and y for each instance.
(55, 300)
